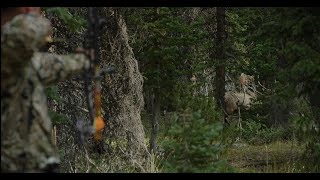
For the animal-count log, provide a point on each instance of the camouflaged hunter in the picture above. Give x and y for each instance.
(25, 125)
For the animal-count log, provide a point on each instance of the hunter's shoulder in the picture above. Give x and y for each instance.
(26, 26)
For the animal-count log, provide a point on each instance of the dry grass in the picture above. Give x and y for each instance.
(275, 157)
(117, 162)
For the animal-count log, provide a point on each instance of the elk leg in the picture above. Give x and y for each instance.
(239, 115)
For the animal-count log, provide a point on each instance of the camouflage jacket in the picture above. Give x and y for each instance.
(25, 125)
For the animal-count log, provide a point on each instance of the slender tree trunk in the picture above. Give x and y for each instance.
(220, 54)
(155, 120)
(155, 110)
(155, 107)
(314, 98)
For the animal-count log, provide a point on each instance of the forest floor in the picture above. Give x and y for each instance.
(275, 157)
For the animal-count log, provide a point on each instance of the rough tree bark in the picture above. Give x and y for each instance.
(70, 94)
(122, 98)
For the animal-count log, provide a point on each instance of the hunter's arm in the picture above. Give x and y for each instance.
(53, 68)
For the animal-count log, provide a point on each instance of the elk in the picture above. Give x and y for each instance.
(235, 99)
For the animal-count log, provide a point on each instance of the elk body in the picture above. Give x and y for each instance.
(234, 99)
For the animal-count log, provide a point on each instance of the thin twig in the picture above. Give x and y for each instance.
(262, 86)
(89, 160)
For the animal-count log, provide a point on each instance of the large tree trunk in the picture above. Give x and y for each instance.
(220, 53)
(123, 90)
